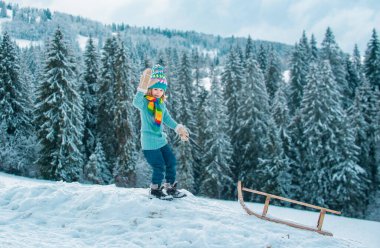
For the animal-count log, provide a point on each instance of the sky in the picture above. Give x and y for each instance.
(351, 21)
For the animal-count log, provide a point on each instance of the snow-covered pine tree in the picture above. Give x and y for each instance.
(89, 96)
(91, 172)
(330, 51)
(364, 115)
(102, 163)
(262, 58)
(133, 113)
(294, 152)
(328, 143)
(313, 49)
(249, 49)
(280, 115)
(58, 115)
(349, 179)
(106, 102)
(299, 68)
(372, 61)
(357, 63)
(272, 170)
(14, 104)
(32, 59)
(372, 73)
(174, 87)
(15, 112)
(273, 76)
(182, 110)
(353, 78)
(125, 163)
(233, 77)
(216, 180)
(253, 117)
(200, 119)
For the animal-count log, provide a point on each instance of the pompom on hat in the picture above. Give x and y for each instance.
(158, 78)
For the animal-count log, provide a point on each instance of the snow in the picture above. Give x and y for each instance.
(2, 20)
(20, 42)
(27, 43)
(82, 41)
(37, 213)
(206, 82)
(286, 75)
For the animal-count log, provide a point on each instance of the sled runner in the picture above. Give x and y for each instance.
(263, 216)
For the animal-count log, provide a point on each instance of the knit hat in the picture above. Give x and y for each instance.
(158, 79)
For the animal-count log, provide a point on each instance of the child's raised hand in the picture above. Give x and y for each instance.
(182, 132)
(145, 78)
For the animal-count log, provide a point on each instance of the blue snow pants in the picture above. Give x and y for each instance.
(163, 163)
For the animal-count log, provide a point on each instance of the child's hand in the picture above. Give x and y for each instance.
(145, 78)
(182, 132)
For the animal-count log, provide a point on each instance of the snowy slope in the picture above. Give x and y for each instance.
(36, 213)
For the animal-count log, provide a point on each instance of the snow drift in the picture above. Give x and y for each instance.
(37, 213)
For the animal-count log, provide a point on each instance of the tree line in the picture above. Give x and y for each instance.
(68, 116)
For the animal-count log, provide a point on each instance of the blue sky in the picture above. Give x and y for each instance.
(352, 21)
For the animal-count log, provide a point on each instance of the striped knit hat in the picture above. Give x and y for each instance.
(158, 78)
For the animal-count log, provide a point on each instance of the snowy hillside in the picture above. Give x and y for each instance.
(36, 213)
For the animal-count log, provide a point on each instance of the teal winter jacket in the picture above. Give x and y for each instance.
(152, 138)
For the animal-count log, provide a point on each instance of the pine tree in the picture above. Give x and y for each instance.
(232, 82)
(124, 170)
(273, 78)
(91, 171)
(372, 61)
(253, 120)
(14, 97)
(181, 112)
(90, 87)
(174, 87)
(262, 58)
(353, 79)
(299, 68)
(249, 49)
(357, 62)
(294, 152)
(327, 141)
(58, 112)
(364, 115)
(331, 52)
(281, 118)
(17, 142)
(313, 49)
(106, 102)
(200, 119)
(372, 111)
(216, 181)
(349, 180)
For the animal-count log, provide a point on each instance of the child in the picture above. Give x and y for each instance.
(149, 99)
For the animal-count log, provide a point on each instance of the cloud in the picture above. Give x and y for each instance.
(350, 26)
(264, 31)
(275, 20)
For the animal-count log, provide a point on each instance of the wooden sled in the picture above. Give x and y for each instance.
(263, 216)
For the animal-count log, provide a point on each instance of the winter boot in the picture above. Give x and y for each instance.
(173, 191)
(159, 192)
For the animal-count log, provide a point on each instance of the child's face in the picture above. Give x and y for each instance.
(157, 93)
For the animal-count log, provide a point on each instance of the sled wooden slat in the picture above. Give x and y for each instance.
(265, 211)
(263, 216)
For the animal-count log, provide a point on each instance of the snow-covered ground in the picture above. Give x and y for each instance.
(36, 213)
